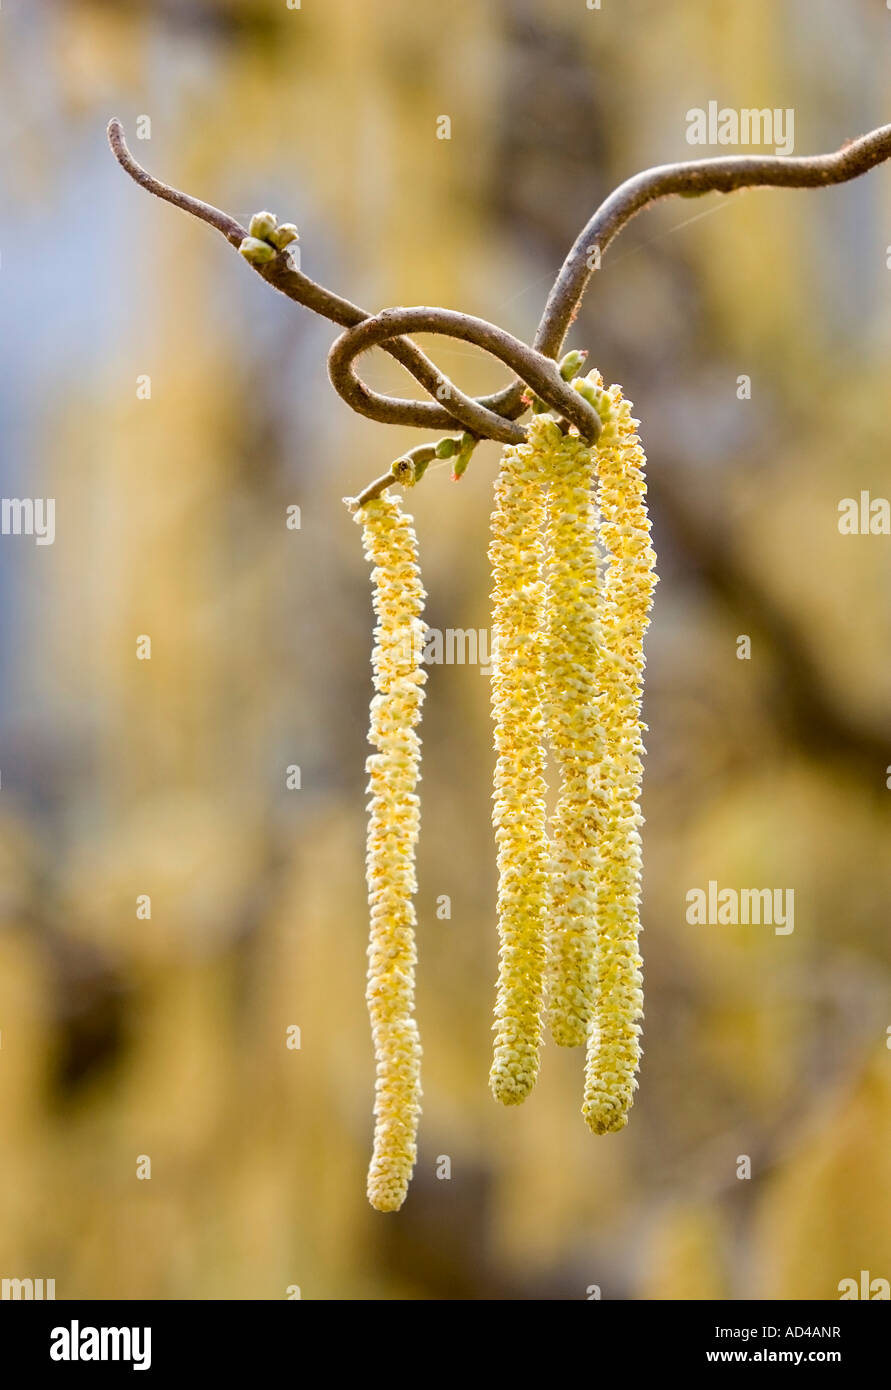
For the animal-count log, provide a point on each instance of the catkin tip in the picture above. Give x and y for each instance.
(604, 1118)
(513, 1077)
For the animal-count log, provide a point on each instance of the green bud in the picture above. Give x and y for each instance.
(539, 407)
(403, 471)
(421, 456)
(283, 236)
(256, 251)
(263, 224)
(445, 448)
(572, 364)
(466, 448)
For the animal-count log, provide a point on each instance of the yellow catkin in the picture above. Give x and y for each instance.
(629, 580)
(394, 819)
(575, 733)
(519, 814)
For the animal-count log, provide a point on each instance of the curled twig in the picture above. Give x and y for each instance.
(283, 276)
(539, 372)
(495, 416)
(692, 179)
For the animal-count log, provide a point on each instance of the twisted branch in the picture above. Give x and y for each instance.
(495, 416)
(539, 372)
(691, 180)
(283, 276)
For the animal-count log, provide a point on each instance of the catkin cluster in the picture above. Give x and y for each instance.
(573, 573)
(393, 824)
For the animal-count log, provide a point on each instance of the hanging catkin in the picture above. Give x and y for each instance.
(575, 733)
(519, 813)
(614, 1035)
(394, 817)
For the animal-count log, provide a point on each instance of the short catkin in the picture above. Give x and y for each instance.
(519, 813)
(613, 1052)
(393, 824)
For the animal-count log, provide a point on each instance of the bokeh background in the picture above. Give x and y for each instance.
(122, 1037)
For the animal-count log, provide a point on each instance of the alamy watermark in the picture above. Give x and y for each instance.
(16, 1290)
(727, 125)
(455, 646)
(76, 1343)
(866, 1287)
(29, 516)
(728, 907)
(864, 516)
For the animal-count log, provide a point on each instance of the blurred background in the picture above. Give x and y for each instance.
(122, 1036)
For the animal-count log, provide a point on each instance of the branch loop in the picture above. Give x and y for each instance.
(540, 373)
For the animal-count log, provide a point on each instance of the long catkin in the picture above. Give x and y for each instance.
(575, 732)
(613, 1052)
(519, 812)
(393, 824)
